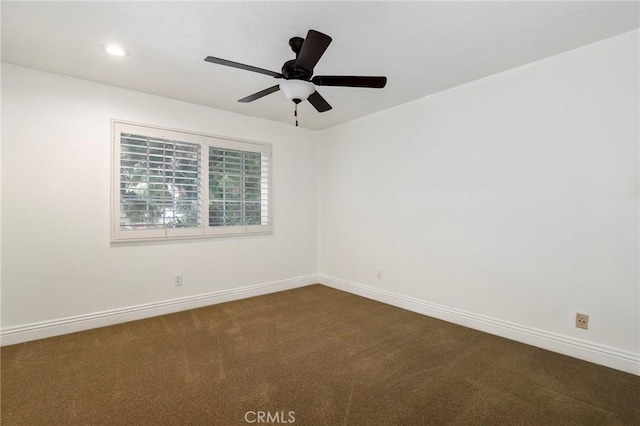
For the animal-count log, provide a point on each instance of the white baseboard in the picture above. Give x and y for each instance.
(43, 329)
(588, 351)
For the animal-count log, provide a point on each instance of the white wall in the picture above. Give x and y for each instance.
(56, 257)
(514, 198)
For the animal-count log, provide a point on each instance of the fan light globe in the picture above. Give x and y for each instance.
(298, 90)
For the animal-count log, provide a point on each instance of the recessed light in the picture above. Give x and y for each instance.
(115, 50)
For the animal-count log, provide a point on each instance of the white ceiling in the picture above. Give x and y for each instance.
(422, 47)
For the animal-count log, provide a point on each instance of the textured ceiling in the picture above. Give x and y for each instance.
(422, 47)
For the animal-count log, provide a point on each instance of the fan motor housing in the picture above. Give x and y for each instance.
(291, 72)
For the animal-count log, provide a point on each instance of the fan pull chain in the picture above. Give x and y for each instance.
(295, 114)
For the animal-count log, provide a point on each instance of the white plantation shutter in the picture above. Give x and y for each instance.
(160, 189)
(159, 183)
(265, 167)
(238, 187)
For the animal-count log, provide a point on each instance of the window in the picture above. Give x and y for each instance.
(171, 184)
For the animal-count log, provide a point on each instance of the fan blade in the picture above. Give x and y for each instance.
(241, 66)
(318, 102)
(260, 94)
(312, 50)
(349, 81)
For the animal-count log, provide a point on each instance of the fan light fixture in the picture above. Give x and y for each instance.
(297, 90)
(297, 82)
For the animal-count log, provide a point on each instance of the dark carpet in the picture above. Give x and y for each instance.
(309, 356)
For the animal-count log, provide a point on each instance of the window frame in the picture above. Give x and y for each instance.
(205, 141)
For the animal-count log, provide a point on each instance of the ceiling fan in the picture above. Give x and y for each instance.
(298, 84)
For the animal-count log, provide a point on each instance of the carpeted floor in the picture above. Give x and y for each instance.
(309, 356)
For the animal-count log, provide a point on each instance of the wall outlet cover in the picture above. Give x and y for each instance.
(582, 321)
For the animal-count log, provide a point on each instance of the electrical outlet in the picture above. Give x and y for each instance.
(379, 274)
(582, 321)
(177, 280)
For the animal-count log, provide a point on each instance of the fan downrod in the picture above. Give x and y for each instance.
(289, 69)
